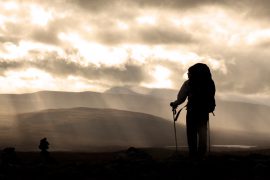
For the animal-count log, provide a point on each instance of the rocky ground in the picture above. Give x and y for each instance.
(135, 163)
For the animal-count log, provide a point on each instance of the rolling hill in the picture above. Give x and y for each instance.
(86, 128)
(230, 115)
(81, 129)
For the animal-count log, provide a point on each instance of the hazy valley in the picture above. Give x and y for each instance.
(81, 121)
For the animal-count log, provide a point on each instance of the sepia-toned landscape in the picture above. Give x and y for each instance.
(89, 89)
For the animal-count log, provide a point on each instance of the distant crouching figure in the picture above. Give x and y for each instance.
(44, 146)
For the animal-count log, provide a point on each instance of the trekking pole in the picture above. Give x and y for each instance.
(209, 140)
(209, 137)
(175, 117)
(175, 136)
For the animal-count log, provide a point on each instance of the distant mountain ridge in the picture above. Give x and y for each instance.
(237, 116)
(161, 93)
(121, 90)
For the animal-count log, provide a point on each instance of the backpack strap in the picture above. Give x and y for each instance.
(176, 114)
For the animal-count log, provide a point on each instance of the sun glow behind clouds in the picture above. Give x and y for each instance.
(257, 37)
(121, 25)
(161, 76)
(146, 20)
(95, 53)
(26, 80)
(40, 16)
(10, 5)
(32, 79)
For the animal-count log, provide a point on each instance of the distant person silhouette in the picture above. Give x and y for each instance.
(200, 91)
(44, 146)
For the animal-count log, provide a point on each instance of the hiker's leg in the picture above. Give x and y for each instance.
(202, 132)
(191, 133)
(202, 140)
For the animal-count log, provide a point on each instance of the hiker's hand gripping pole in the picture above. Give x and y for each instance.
(176, 114)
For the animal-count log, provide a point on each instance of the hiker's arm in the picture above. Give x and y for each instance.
(182, 95)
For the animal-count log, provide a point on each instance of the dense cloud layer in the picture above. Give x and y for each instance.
(129, 73)
(140, 43)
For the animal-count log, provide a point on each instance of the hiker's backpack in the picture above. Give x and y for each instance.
(202, 89)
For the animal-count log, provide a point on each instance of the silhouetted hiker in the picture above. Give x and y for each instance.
(44, 146)
(200, 91)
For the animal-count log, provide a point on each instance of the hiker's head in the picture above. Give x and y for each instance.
(199, 71)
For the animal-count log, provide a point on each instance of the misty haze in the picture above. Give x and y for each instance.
(120, 118)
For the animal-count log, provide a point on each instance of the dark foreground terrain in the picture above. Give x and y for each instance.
(135, 163)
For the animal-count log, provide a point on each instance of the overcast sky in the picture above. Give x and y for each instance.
(92, 45)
